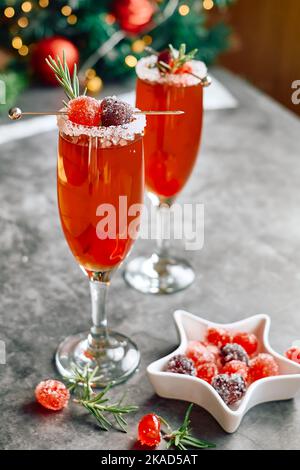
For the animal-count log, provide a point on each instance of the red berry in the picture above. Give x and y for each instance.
(52, 394)
(149, 430)
(85, 110)
(234, 352)
(180, 364)
(236, 367)
(185, 68)
(198, 352)
(115, 112)
(218, 336)
(213, 349)
(207, 371)
(293, 354)
(231, 388)
(247, 340)
(263, 365)
(165, 56)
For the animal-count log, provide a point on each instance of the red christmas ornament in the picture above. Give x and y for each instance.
(53, 46)
(134, 15)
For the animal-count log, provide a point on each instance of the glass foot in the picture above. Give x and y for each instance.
(159, 275)
(117, 358)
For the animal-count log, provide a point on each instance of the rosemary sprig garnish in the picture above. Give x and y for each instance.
(63, 76)
(182, 438)
(179, 58)
(97, 404)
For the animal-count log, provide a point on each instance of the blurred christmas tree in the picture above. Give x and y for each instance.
(107, 37)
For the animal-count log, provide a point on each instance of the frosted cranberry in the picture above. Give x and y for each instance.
(115, 112)
(181, 364)
(234, 352)
(165, 56)
(213, 349)
(149, 430)
(207, 371)
(247, 340)
(218, 336)
(293, 354)
(231, 388)
(85, 110)
(52, 394)
(236, 367)
(263, 365)
(198, 352)
(185, 68)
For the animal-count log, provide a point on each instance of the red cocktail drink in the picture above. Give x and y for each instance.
(168, 81)
(90, 178)
(171, 142)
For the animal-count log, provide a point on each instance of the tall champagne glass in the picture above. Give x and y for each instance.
(100, 174)
(171, 147)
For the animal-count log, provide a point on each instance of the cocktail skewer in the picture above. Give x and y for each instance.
(158, 113)
(16, 113)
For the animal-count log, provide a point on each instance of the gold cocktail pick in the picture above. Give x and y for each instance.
(16, 113)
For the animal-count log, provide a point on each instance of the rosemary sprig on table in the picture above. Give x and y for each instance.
(97, 404)
(63, 76)
(182, 438)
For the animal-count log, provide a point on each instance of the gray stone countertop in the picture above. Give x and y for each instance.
(247, 175)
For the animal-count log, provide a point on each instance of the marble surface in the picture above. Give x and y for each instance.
(248, 177)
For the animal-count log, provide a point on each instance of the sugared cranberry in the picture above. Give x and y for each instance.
(218, 336)
(263, 365)
(247, 340)
(149, 430)
(165, 56)
(85, 110)
(115, 112)
(207, 371)
(234, 352)
(215, 351)
(198, 352)
(185, 68)
(293, 354)
(231, 388)
(181, 364)
(236, 367)
(52, 394)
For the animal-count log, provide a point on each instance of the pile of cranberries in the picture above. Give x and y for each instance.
(88, 111)
(229, 362)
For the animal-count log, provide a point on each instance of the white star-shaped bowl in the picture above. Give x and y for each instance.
(195, 390)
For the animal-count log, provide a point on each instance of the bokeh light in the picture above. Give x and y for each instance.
(26, 7)
(130, 60)
(9, 12)
(184, 10)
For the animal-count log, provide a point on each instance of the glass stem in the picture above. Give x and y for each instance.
(163, 234)
(98, 334)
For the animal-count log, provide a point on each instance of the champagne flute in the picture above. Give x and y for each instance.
(171, 148)
(98, 169)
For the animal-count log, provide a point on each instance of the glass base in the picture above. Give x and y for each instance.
(159, 275)
(117, 359)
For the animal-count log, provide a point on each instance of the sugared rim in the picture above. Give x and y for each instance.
(112, 135)
(146, 70)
